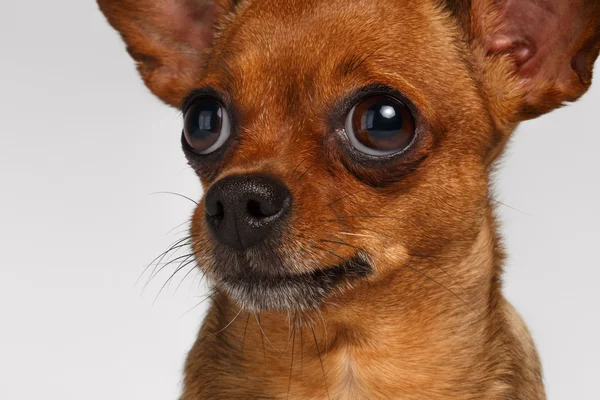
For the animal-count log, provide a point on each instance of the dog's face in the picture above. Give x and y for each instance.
(329, 158)
(344, 141)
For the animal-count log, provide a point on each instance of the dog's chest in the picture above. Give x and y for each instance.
(350, 383)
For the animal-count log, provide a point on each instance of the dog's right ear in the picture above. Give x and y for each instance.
(169, 40)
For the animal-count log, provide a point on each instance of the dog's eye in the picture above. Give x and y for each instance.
(380, 125)
(206, 125)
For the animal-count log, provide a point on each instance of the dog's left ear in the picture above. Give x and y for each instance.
(551, 46)
(169, 39)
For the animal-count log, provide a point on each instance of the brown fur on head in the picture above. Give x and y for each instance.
(398, 253)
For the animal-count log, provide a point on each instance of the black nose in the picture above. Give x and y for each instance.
(242, 211)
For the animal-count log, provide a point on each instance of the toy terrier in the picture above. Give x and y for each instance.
(345, 147)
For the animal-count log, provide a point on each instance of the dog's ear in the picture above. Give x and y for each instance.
(169, 39)
(551, 46)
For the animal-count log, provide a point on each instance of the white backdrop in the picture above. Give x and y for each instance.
(82, 147)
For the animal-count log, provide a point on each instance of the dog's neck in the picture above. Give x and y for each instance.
(436, 321)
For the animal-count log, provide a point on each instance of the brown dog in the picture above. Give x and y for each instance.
(346, 148)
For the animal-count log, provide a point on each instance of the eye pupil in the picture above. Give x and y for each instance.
(209, 120)
(205, 125)
(382, 121)
(381, 125)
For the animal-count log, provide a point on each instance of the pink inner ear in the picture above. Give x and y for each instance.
(190, 21)
(521, 51)
(538, 34)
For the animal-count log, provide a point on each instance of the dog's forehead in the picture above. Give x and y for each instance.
(271, 31)
(313, 45)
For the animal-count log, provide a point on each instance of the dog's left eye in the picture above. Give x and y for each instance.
(206, 125)
(380, 125)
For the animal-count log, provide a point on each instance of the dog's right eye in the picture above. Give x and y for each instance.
(206, 125)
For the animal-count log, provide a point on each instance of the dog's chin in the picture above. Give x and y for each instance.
(293, 292)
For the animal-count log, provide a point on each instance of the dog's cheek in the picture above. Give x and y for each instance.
(442, 213)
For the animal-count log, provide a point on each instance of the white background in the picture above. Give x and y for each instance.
(82, 147)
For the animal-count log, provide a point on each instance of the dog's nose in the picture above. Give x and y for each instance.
(242, 211)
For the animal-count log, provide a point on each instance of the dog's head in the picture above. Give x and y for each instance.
(340, 141)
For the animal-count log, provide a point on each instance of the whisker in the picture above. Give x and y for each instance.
(358, 234)
(301, 349)
(371, 217)
(320, 313)
(350, 217)
(229, 324)
(170, 278)
(305, 172)
(184, 242)
(440, 284)
(245, 329)
(185, 276)
(178, 226)
(345, 197)
(289, 334)
(356, 62)
(185, 258)
(166, 264)
(263, 332)
(341, 244)
(490, 198)
(310, 167)
(292, 361)
(298, 166)
(207, 296)
(181, 231)
(175, 194)
(329, 252)
(159, 259)
(320, 360)
(202, 276)
(262, 338)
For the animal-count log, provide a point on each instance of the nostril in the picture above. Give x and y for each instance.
(255, 210)
(216, 210)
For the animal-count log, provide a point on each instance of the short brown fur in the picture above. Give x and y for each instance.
(431, 321)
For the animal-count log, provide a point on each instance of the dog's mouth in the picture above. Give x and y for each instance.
(293, 292)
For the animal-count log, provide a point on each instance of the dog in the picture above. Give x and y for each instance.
(346, 147)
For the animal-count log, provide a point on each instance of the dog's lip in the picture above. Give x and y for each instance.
(293, 291)
(357, 266)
